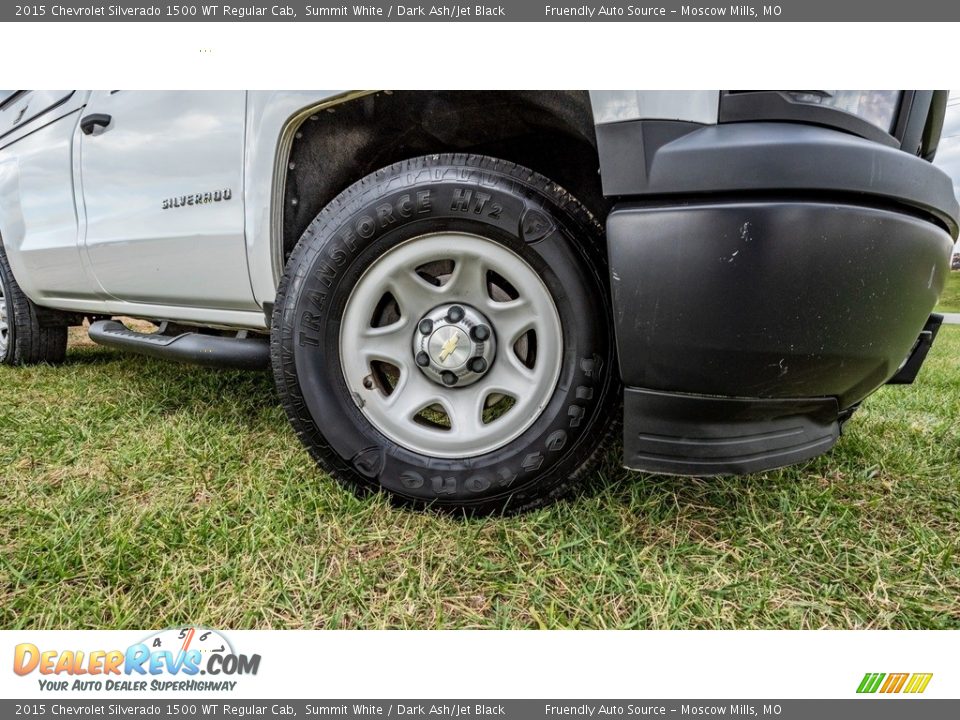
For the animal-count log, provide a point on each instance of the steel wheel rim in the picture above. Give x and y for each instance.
(4, 320)
(523, 382)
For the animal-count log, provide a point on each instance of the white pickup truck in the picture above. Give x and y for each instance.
(465, 295)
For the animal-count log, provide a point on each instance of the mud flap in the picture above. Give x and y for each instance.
(911, 366)
(680, 434)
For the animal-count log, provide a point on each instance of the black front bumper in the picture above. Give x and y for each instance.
(747, 326)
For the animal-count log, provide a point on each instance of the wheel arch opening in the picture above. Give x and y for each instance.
(550, 132)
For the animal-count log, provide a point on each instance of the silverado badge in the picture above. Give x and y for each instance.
(197, 199)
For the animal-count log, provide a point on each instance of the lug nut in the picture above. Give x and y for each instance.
(478, 365)
(480, 333)
(448, 378)
(425, 327)
(422, 359)
(455, 314)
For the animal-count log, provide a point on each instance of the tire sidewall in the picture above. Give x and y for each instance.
(398, 205)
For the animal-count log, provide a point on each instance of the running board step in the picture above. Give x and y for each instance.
(240, 353)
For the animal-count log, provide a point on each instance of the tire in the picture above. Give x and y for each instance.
(24, 338)
(512, 433)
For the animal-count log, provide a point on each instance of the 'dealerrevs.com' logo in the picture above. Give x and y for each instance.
(168, 660)
(912, 683)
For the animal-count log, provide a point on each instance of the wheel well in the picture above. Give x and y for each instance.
(551, 132)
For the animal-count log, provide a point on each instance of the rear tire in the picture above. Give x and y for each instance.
(24, 338)
(377, 354)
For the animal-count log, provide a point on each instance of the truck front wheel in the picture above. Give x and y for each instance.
(442, 332)
(24, 338)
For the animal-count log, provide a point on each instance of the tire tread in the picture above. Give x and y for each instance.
(31, 341)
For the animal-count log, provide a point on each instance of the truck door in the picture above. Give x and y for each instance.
(38, 213)
(162, 181)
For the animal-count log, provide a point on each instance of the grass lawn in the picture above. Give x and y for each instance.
(950, 299)
(138, 494)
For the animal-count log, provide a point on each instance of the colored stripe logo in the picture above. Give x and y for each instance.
(913, 683)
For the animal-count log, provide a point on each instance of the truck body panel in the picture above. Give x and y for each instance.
(163, 198)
